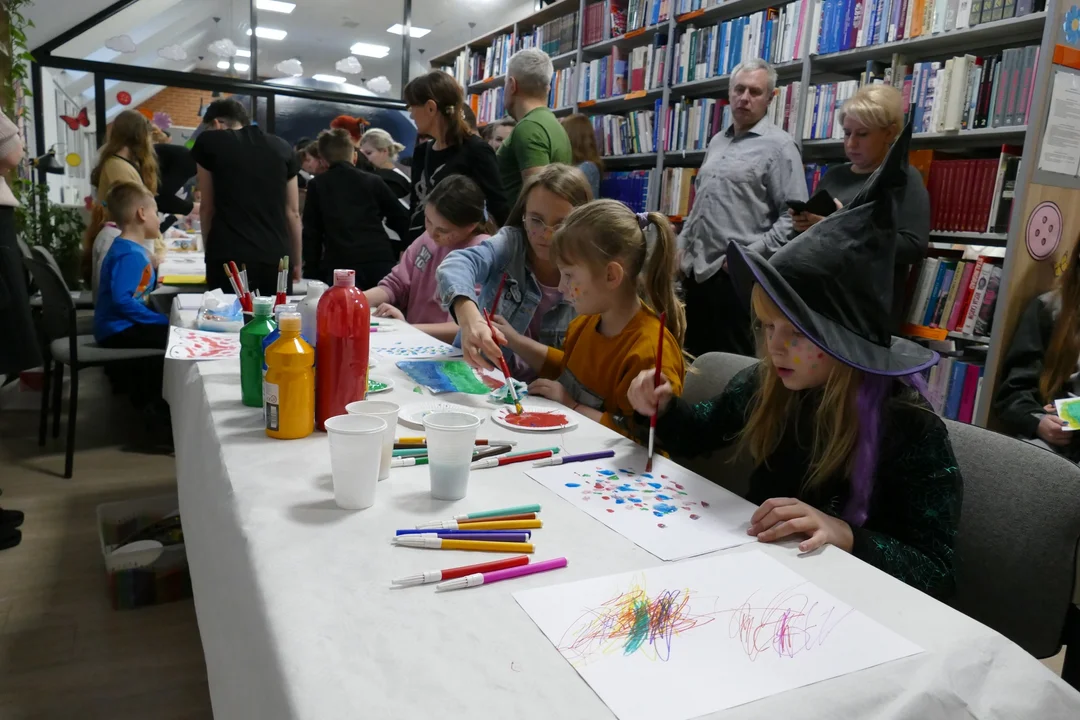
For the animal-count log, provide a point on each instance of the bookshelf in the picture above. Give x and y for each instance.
(1042, 28)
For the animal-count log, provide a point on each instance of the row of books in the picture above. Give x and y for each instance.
(954, 295)
(821, 119)
(814, 172)
(488, 105)
(839, 25)
(460, 68)
(773, 34)
(617, 74)
(953, 388)
(691, 124)
(688, 6)
(973, 195)
(555, 37)
(612, 18)
(563, 91)
(969, 92)
(678, 187)
(630, 187)
(636, 132)
(493, 60)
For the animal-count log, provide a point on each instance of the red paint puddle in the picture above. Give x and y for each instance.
(610, 510)
(530, 419)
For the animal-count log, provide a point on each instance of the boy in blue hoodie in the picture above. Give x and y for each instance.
(122, 318)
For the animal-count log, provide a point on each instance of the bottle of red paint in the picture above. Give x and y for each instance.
(341, 353)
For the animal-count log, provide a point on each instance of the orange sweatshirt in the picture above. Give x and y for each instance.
(597, 370)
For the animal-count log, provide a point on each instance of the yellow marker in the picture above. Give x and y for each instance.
(437, 543)
(411, 440)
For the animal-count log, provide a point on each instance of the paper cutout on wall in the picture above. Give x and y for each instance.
(1072, 26)
(121, 44)
(1043, 233)
(123, 97)
(162, 120)
(80, 120)
(222, 48)
(379, 84)
(291, 67)
(73, 159)
(172, 52)
(349, 66)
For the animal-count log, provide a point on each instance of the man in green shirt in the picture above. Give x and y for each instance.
(539, 138)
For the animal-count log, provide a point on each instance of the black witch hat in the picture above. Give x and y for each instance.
(834, 282)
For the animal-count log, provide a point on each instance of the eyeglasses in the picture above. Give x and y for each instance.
(536, 226)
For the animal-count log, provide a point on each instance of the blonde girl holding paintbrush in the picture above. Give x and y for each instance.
(619, 290)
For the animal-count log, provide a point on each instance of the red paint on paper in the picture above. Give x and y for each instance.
(532, 419)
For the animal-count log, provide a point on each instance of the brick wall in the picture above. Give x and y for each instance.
(182, 104)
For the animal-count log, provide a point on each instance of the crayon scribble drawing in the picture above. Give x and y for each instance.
(688, 639)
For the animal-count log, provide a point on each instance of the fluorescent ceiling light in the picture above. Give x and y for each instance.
(268, 33)
(328, 78)
(275, 6)
(223, 65)
(369, 50)
(241, 67)
(243, 53)
(416, 32)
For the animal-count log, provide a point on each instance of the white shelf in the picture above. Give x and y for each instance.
(969, 338)
(486, 84)
(620, 103)
(632, 39)
(567, 110)
(631, 160)
(972, 238)
(563, 59)
(724, 11)
(988, 136)
(788, 71)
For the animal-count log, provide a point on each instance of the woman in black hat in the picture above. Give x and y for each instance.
(846, 451)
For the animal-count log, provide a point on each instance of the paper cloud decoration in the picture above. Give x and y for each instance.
(379, 84)
(162, 120)
(222, 48)
(291, 66)
(172, 52)
(121, 44)
(349, 66)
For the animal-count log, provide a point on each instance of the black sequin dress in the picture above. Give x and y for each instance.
(915, 508)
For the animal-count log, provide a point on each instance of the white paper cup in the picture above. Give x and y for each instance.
(383, 410)
(355, 452)
(450, 440)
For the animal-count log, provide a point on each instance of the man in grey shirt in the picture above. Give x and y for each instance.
(751, 169)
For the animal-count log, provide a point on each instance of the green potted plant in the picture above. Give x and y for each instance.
(57, 228)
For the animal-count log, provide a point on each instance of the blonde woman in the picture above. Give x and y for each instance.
(382, 151)
(872, 119)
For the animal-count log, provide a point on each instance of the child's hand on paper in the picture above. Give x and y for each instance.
(1051, 430)
(552, 390)
(778, 518)
(386, 310)
(648, 398)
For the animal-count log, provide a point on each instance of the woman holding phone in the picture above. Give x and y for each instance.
(872, 119)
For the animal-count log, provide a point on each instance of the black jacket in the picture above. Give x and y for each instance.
(343, 220)
(176, 167)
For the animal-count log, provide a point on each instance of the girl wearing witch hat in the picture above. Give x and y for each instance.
(846, 452)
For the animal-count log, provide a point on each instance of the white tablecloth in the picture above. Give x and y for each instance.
(298, 619)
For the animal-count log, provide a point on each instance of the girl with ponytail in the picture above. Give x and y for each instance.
(620, 284)
(846, 451)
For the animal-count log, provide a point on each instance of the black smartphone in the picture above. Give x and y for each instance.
(821, 203)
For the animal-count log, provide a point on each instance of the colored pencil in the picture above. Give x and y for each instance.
(505, 368)
(563, 459)
(451, 533)
(510, 459)
(450, 573)
(656, 383)
(487, 525)
(500, 512)
(464, 524)
(438, 543)
(484, 578)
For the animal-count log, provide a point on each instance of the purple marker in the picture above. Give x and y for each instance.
(563, 459)
(488, 537)
(489, 577)
(457, 533)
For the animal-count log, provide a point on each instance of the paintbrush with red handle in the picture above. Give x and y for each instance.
(656, 383)
(505, 368)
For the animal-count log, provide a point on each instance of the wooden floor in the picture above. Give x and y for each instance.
(64, 652)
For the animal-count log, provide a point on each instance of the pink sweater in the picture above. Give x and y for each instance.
(411, 284)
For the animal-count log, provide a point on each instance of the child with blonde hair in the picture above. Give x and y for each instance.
(619, 290)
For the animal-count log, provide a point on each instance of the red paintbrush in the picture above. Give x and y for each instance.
(505, 368)
(498, 295)
(656, 383)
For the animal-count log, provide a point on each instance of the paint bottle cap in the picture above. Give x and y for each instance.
(315, 289)
(282, 309)
(344, 278)
(289, 322)
(263, 306)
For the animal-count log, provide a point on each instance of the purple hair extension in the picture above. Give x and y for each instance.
(869, 402)
(917, 381)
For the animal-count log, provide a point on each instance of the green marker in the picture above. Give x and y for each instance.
(410, 452)
(516, 510)
(408, 461)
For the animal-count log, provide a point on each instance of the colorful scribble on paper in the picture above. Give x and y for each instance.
(444, 376)
(789, 623)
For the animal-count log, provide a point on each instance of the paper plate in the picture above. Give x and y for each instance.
(533, 419)
(378, 384)
(413, 415)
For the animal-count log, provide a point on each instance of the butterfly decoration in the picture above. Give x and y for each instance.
(80, 120)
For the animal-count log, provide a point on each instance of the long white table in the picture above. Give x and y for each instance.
(298, 619)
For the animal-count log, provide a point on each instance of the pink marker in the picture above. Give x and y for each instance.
(482, 578)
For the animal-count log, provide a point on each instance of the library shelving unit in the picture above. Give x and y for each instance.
(1022, 276)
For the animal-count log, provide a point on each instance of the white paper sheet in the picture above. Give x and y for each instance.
(679, 641)
(189, 344)
(408, 344)
(670, 512)
(1061, 141)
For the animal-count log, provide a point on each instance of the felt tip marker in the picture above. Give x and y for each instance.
(422, 441)
(438, 543)
(408, 461)
(510, 459)
(484, 578)
(563, 459)
(498, 518)
(485, 535)
(500, 512)
(485, 525)
(468, 531)
(450, 573)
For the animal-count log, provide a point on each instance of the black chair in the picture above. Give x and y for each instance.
(82, 299)
(62, 345)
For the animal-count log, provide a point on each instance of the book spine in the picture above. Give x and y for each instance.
(950, 299)
(956, 388)
(986, 310)
(967, 395)
(961, 296)
(977, 298)
(927, 273)
(931, 300)
(937, 305)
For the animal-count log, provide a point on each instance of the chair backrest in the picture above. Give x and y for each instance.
(47, 257)
(57, 307)
(24, 248)
(1016, 549)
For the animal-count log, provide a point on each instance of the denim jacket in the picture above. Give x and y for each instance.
(482, 265)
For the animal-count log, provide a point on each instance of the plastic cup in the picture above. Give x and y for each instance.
(383, 410)
(355, 451)
(450, 440)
